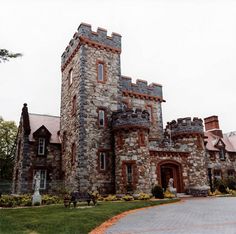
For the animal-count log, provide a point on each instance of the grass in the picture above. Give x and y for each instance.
(57, 219)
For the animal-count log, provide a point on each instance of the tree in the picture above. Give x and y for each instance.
(8, 132)
(5, 55)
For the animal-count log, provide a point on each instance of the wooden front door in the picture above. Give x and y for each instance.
(168, 171)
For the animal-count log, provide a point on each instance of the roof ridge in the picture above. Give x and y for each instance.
(45, 115)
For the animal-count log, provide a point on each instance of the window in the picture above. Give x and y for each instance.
(231, 173)
(217, 174)
(222, 154)
(70, 77)
(149, 110)
(73, 105)
(141, 138)
(101, 72)
(120, 140)
(43, 175)
(101, 117)
(102, 161)
(73, 153)
(129, 173)
(41, 146)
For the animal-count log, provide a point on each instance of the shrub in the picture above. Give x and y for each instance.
(128, 198)
(230, 182)
(110, 198)
(49, 199)
(169, 194)
(144, 196)
(157, 192)
(222, 188)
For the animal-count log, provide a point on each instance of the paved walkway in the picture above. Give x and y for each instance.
(196, 215)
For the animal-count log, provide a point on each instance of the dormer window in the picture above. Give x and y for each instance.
(41, 146)
(101, 72)
(222, 154)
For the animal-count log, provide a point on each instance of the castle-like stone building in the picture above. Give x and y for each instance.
(110, 135)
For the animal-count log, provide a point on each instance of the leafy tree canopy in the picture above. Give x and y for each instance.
(5, 55)
(8, 132)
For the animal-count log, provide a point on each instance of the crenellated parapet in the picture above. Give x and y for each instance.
(98, 39)
(141, 89)
(185, 126)
(129, 118)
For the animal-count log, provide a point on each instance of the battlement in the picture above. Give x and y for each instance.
(98, 39)
(185, 126)
(125, 119)
(141, 88)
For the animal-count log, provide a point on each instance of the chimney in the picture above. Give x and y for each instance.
(212, 125)
(25, 116)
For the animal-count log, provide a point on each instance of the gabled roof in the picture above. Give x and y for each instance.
(212, 141)
(52, 123)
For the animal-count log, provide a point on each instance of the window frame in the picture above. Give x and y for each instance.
(43, 146)
(104, 161)
(73, 110)
(103, 80)
(102, 109)
(222, 153)
(70, 77)
(73, 153)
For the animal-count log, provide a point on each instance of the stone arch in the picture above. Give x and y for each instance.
(170, 168)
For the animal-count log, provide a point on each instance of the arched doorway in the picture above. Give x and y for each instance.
(170, 169)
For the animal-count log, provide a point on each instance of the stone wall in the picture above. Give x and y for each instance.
(82, 128)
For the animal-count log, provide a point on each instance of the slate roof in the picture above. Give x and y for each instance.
(52, 123)
(228, 139)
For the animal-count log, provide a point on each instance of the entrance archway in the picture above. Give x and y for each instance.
(170, 169)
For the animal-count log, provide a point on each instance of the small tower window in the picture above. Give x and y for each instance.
(73, 105)
(73, 153)
(100, 71)
(101, 117)
(129, 173)
(41, 146)
(102, 161)
(70, 77)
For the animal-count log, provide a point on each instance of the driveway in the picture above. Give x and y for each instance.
(196, 215)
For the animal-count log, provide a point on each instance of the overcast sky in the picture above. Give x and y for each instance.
(187, 46)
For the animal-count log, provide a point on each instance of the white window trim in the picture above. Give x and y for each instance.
(43, 146)
(104, 161)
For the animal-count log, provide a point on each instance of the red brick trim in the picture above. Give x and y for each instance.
(142, 96)
(84, 40)
(119, 140)
(141, 138)
(169, 154)
(104, 71)
(134, 176)
(179, 176)
(107, 160)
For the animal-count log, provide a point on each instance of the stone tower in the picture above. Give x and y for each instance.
(132, 161)
(188, 134)
(90, 92)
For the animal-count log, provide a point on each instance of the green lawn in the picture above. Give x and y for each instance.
(57, 219)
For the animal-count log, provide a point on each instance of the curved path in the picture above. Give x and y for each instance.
(196, 215)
